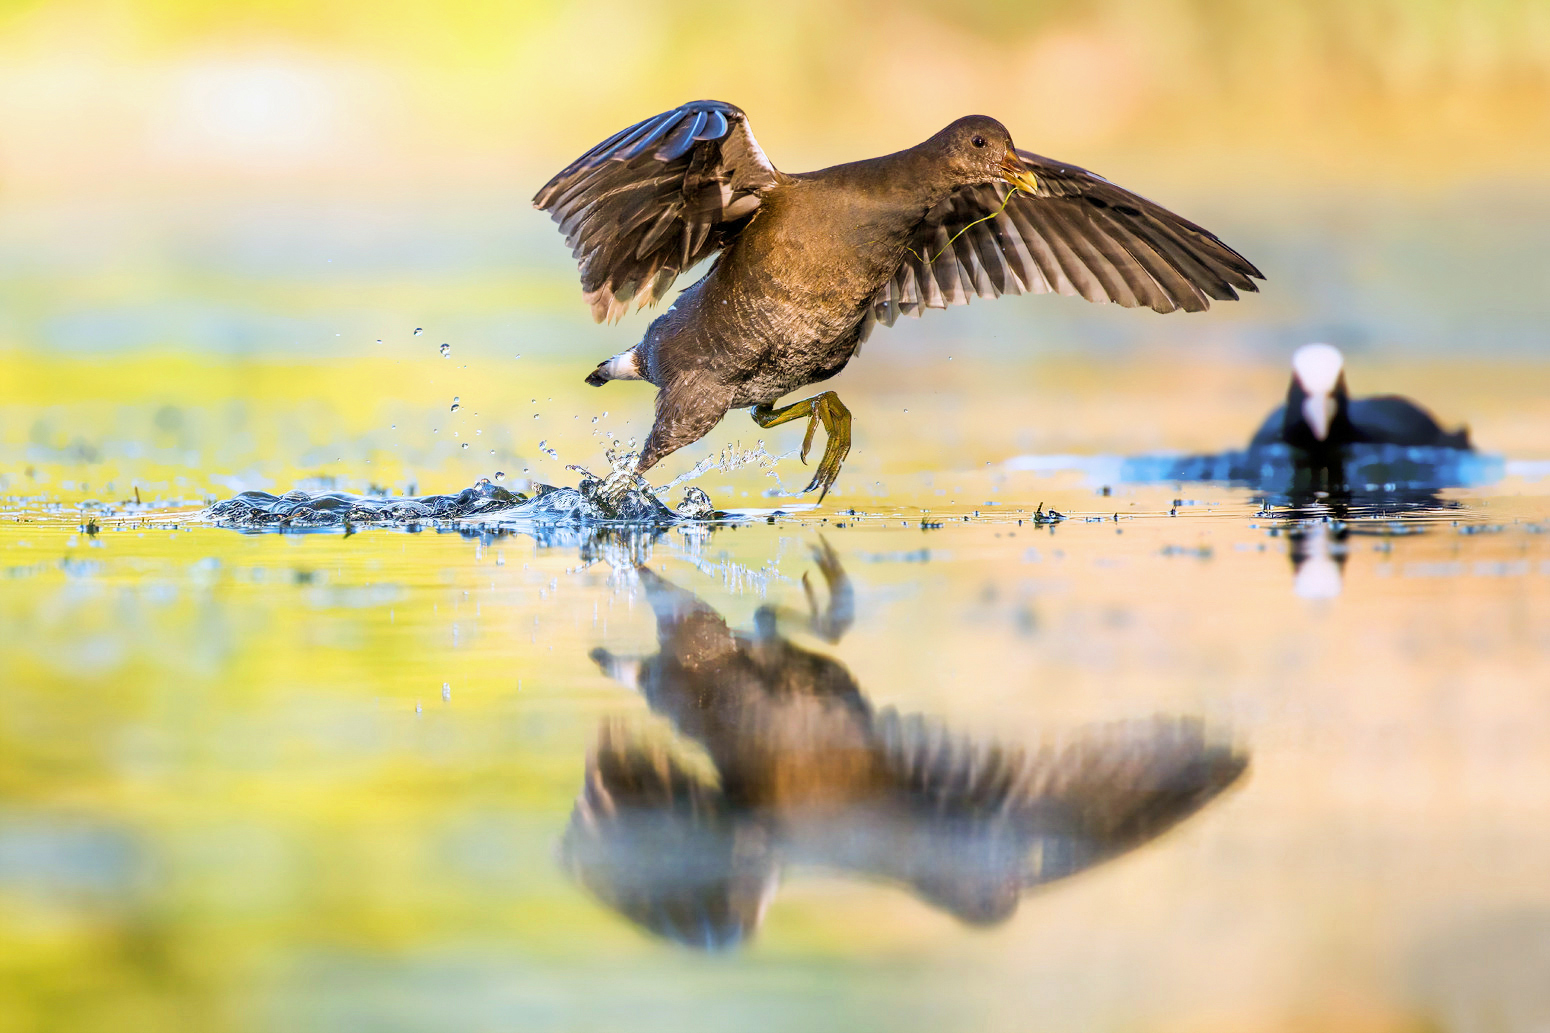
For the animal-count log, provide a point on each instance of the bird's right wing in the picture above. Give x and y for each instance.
(649, 202)
(979, 822)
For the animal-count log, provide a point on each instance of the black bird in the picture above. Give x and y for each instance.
(1320, 418)
(807, 263)
(804, 772)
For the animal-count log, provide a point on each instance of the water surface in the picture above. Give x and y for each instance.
(1199, 755)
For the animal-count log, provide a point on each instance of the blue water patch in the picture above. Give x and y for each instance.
(1366, 468)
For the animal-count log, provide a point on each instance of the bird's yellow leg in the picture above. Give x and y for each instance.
(828, 409)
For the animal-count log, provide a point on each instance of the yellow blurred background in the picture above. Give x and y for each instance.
(315, 176)
(197, 197)
(315, 782)
(107, 97)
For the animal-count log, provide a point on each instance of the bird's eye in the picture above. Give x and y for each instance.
(978, 141)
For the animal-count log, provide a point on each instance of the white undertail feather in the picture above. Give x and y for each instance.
(623, 669)
(624, 366)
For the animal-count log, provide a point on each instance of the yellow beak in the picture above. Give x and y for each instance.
(1018, 174)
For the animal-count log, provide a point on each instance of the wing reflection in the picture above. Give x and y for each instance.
(803, 771)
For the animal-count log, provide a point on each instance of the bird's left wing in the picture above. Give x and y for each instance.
(1077, 234)
(651, 201)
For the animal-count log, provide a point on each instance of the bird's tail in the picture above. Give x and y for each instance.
(623, 366)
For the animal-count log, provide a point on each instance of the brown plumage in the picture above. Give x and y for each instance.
(808, 263)
(803, 771)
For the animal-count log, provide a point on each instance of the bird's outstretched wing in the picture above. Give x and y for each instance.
(648, 203)
(977, 823)
(1078, 234)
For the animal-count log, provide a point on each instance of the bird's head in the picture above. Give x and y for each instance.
(978, 149)
(1318, 386)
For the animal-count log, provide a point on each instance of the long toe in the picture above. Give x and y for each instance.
(829, 467)
(836, 422)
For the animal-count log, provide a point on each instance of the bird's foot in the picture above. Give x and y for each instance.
(831, 412)
(831, 621)
(836, 424)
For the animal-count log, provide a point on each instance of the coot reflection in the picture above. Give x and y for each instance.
(1318, 552)
(803, 771)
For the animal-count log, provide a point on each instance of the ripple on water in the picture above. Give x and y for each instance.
(1380, 478)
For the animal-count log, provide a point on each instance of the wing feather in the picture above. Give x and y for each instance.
(1078, 235)
(655, 199)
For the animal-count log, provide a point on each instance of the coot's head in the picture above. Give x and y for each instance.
(1318, 391)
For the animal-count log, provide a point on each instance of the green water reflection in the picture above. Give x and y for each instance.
(311, 781)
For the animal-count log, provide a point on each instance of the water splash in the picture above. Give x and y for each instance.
(696, 505)
(730, 458)
(548, 505)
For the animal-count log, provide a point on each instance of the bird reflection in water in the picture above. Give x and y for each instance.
(1318, 552)
(803, 771)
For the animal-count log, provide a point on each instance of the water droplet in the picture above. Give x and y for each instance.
(379, 340)
(456, 405)
(446, 350)
(418, 331)
(446, 692)
(393, 427)
(465, 444)
(535, 416)
(417, 707)
(594, 419)
(500, 475)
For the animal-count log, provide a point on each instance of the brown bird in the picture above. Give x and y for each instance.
(807, 263)
(805, 773)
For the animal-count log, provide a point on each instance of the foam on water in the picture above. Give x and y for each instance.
(485, 501)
